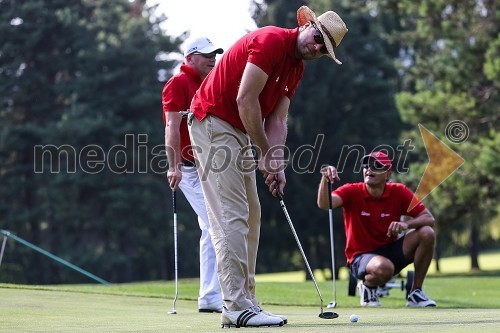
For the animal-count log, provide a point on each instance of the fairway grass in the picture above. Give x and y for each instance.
(33, 310)
(467, 302)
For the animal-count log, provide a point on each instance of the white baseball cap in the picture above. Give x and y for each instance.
(201, 45)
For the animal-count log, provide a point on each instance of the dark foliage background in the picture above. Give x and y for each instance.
(82, 79)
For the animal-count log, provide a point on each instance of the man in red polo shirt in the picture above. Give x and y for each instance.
(244, 101)
(375, 249)
(177, 94)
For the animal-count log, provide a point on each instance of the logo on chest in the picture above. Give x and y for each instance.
(363, 213)
(286, 86)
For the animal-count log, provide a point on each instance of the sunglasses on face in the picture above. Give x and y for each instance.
(207, 55)
(318, 38)
(375, 166)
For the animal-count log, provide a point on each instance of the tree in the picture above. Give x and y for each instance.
(449, 72)
(81, 77)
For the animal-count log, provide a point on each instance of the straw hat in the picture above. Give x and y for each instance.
(329, 23)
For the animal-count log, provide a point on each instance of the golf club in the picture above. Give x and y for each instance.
(174, 201)
(333, 303)
(324, 315)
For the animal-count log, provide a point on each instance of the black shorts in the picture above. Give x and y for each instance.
(393, 252)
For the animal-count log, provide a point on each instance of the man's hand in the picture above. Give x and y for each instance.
(396, 227)
(329, 173)
(276, 182)
(328, 176)
(272, 169)
(174, 177)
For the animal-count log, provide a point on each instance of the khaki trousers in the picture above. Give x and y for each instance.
(227, 172)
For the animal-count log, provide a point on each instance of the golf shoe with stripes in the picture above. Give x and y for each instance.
(259, 309)
(417, 298)
(368, 296)
(248, 318)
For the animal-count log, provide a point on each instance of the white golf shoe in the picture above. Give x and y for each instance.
(368, 296)
(259, 309)
(417, 298)
(248, 318)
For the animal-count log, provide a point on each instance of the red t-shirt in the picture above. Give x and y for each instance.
(272, 49)
(176, 96)
(366, 218)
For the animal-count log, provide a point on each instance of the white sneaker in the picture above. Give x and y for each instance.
(259, 309)
(368, 296)
(248, 318)
(417, 298)
(210, 307)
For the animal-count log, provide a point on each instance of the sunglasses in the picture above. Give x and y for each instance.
(206, 55)
(375, 166)
(318, 38)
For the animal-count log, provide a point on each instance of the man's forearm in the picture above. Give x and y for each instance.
(276, 128)
(251, 118)
(423, 219)
(276, 131)
(172, 147)
(322, 200)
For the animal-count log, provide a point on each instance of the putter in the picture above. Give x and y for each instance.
(332, 304)
(323, 315)
(174, 201)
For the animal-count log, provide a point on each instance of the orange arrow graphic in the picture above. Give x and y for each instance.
(442, 163)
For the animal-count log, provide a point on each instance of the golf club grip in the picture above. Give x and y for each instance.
(174, 201)
(330, 195)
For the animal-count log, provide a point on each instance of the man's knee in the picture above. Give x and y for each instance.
(427, 235)
(382, 269)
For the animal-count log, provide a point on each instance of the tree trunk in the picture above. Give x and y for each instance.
(474, 247)
(437, 256)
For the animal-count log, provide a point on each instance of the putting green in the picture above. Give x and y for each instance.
(28, 310)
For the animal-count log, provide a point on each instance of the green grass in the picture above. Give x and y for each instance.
(466, 301)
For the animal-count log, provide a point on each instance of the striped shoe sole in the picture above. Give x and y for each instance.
(244, 317)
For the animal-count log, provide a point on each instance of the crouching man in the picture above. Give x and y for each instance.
(375, 249)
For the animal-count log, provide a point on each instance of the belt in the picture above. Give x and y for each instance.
(189, 163)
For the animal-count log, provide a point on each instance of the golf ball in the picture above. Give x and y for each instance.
(353, 318)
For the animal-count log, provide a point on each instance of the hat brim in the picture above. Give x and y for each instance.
(208, 49)
(304, 15)
(366, 159)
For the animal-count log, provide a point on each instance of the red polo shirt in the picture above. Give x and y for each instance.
(367, 219)
(272, 49)
(176, 96)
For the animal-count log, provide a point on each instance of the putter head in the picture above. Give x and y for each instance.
(172, 312)
(328, 315)
(332, 305)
